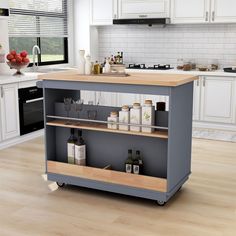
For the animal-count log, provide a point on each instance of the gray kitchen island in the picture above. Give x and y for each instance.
(166, 151)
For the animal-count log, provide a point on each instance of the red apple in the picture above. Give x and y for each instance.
(13, 52)
(13, 60)
(10, 57)
(23, 54)
(18, 59)
(25, 60)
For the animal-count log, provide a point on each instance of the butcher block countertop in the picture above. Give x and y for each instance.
(155, 79)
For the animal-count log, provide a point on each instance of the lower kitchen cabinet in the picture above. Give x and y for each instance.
(218, 99)
(9, 111)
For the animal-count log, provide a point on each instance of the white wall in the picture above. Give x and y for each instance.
(152, 45)
(5, 43)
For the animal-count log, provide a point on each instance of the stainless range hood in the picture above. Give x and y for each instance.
(146, 21)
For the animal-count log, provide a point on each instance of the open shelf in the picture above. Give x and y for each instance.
(103, 128)
(108, 176)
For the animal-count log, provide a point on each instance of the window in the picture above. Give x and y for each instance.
(42, 23)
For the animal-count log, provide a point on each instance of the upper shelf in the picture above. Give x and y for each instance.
(154, 79)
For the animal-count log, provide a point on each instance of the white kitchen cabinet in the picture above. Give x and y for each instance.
(223, 11)
(9, 111)
(190, 11)
(218, 99)
(129, 9)
(102, 12)
(196, 99)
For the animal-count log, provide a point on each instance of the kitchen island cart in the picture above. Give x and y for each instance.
(166, 152)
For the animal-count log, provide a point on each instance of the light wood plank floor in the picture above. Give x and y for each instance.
(205, 206)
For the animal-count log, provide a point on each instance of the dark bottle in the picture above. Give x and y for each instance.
(71, 147)
(80, 150)
(137, 163)
(129, 162)
(121, 58)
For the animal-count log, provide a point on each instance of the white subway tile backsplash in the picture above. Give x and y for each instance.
(152, 45)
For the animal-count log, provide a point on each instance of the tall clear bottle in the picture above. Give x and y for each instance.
(80, 150)
(71, 147)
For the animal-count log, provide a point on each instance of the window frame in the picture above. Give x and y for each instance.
(46, 14)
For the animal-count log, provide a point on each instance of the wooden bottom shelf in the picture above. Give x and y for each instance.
(103, 128)
(108, 176)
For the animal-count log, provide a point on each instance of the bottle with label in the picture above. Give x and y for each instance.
(2, 54)
(135, 117)
(129, 162)
(148, 116)
(97, 68)
(137, 163)
(71, 147)
(124, 118)
(80, 150)
(113, 119)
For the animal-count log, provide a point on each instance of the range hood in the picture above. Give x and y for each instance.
(146, 21)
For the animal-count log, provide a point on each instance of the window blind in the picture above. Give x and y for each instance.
(38, 18)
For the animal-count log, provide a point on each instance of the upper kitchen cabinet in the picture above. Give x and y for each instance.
(102, 12)
(9, 111)
(223, 11)
(190, 11)
(218, 99)
(131, 9)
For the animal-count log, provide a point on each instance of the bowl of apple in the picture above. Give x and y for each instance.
(18, 61)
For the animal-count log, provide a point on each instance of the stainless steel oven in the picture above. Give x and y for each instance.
(31, 109)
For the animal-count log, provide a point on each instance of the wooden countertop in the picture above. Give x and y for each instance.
(155, 79)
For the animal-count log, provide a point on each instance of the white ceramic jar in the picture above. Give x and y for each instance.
(124, 117)
(135, 117)
(113, 119)
(81, 62)
(148, 116)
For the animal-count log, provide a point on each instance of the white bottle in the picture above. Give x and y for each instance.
(2, 55)
(113, 118)
(88, 65)
(80, 150)
(71, 147)
(81, 62)
(135, 117)
(107, 67)
(148, 116)
(124, 117)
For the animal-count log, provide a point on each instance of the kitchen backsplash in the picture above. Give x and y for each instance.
(153, 45)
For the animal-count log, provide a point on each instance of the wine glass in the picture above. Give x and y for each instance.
(92, 114)
(79, 106)
(67, 106)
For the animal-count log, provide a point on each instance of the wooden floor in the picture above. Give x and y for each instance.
(206, 206)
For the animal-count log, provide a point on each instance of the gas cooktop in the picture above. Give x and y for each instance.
(155, 67)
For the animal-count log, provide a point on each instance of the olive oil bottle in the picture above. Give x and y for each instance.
(129, 162)
(137, 163)
(71, 147)
(80, 150)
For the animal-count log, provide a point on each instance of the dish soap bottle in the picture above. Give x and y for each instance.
(80, 150)
(71, 147)
(129, 162)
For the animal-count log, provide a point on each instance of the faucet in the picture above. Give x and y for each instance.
(35, 50)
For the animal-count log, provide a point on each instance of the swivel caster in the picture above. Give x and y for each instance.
(161, 203)
(60, 184)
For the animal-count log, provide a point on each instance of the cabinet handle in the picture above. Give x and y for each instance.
(204, 82)
(213, 16)
(2, 92)
(198, 82)
(207, 15)
(142, 16)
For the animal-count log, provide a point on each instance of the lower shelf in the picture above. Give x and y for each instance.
(109, 176)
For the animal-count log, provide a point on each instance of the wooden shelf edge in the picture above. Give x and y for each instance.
(108, 176)
(102, 128)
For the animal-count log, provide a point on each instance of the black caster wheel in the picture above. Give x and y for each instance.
(60, 184)
(179, 189)
(161, 203)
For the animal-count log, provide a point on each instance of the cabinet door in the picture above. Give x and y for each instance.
(196, 99)
(190, 11)
(223, 11)
(218, 99)
(9, 111)
(102, 12)
(143, 8)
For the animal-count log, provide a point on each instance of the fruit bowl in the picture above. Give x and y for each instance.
(18, 67)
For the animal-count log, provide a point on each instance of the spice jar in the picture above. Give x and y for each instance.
(113, 120)
(135, 117)
(148, 116)
(124, 117)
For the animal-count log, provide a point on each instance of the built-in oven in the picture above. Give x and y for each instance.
(31, 109)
